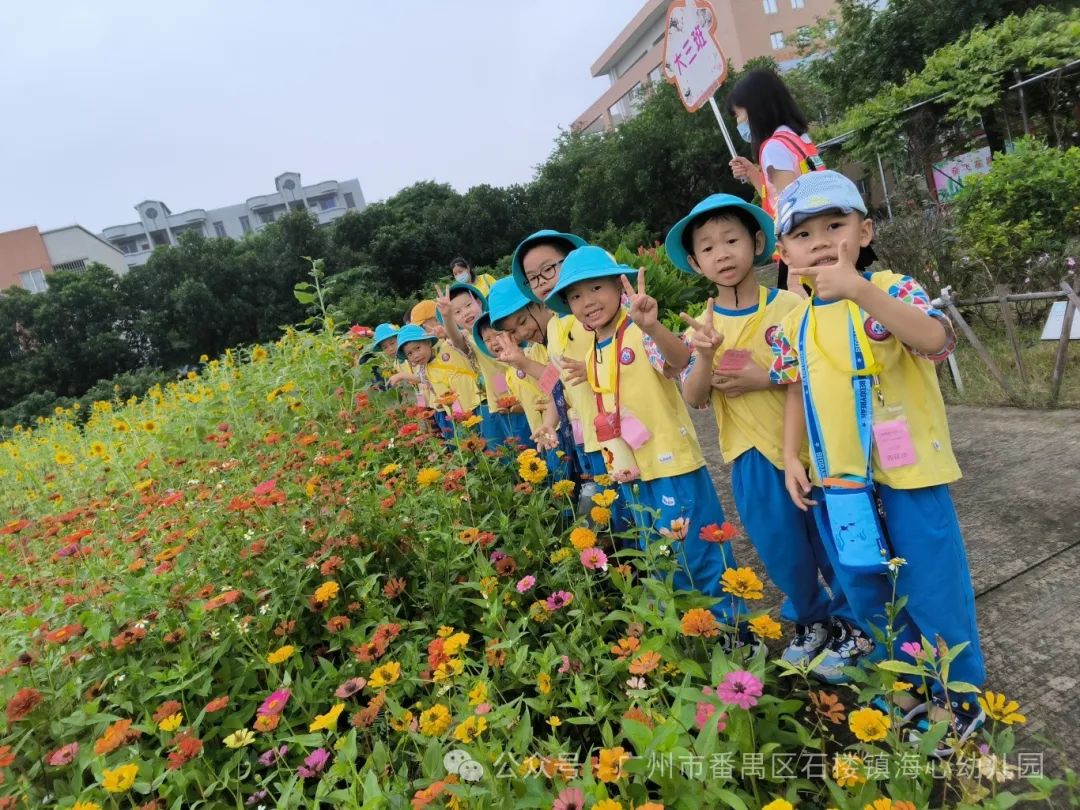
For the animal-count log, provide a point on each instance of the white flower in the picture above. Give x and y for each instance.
(215, 634)
(264, 609)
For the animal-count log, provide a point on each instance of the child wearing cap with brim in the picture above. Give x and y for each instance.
(445, 373)
(525, 361)
(859, 357)
(722, 239)
(459, 305)
(535, 267)
(642, 423)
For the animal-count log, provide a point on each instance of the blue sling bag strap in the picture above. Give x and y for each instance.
(854, 511)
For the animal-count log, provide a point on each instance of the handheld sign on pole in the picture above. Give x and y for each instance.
(693, 60)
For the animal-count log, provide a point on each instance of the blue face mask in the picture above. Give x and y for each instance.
(744, 130)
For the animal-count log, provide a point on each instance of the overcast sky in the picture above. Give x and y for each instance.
(201, 103)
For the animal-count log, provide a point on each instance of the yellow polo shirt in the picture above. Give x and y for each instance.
(568, 338)
(908, 380)
(450, 370)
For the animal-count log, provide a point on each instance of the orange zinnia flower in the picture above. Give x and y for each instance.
(645, 663)
(700, 622)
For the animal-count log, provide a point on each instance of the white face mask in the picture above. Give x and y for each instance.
(463, 276)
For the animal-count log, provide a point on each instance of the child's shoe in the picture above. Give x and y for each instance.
(810, 639)
(744, 640)
(968, 719)
(847, 644)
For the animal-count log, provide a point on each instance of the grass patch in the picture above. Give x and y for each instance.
(980, 388)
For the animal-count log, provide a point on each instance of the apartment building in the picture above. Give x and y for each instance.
(745, 28)
(158, 226)
(28, 256)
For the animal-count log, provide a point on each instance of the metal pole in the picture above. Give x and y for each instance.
(884, 186)
(723, 126)
(1023, 104)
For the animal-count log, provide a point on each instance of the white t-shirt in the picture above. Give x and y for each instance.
(779, 156)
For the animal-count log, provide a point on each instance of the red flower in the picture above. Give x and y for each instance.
(22, 703)
(217, 704)
(718, 534)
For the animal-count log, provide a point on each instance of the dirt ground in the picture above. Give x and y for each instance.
(1019, 507)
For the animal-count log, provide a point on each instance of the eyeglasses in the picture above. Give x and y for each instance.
(545, 273)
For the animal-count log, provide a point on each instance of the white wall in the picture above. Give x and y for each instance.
(74, 243)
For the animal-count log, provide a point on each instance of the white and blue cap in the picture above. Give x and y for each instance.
(517, 269)
(814, 193)
(384, 331)
(504, 299)
(675, 248)
(411, 333)
(581, 265)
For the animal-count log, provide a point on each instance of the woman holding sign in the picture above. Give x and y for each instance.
(776, 129)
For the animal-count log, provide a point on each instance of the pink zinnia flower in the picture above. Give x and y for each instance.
(274, 703)
(916, 650)
(268, 756)
(64, 755)
(482, 709)
(704, 711)
(526, 583)
(569, 666)
(740, 688)
(314, 763)
(350, 688)
(593, 558)
(569, 799)
(559, 599)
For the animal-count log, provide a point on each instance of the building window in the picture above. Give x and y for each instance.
(798, 3)
(76, 266)
(777, 40)
(350, 201)
(245, 224)
(328, 203)
(770, 6)
(266, 217)
(34, 281)
(219, 228)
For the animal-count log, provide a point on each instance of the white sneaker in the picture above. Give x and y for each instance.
(810, 639)
(847, 644)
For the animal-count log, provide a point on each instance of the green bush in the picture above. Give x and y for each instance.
(1016, 221)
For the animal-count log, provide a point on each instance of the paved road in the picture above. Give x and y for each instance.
(1019, 507)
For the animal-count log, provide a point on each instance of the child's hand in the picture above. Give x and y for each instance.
(573, 371)
(798, 485)
(833, 282)
(644, 311)
(545, 438)
(442, 302)
(506, 350)
(705, 339)
(734, 382)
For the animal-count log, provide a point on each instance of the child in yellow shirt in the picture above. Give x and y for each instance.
(444, 372)
(859, 356)
(642, 423)
(722, 238)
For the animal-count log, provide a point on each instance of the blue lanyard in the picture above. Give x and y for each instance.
(862, 387)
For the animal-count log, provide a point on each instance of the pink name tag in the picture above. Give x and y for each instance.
(579, 432)
(635, 433)
(549, 379)
(456, 409)
(734, 360)
(498, 384)
(894, 445)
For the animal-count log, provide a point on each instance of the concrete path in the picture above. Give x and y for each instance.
(1019, 507)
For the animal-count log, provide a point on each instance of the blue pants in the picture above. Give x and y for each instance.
(787, 541)
(444, 424)
(924, 530)
(498, 427)
(701, 564)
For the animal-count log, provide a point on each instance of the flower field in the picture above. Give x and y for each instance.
(267, 585)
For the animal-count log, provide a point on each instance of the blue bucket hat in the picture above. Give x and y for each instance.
(464, 285)
(384, 331)
(814, 193)
(504, 299)
(581, 265)
(717, 202)
(411, 334)
(518, 271)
